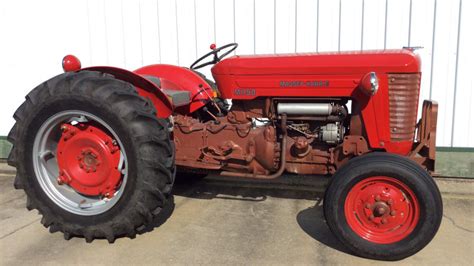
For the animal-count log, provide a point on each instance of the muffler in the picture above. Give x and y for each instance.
(320, 109)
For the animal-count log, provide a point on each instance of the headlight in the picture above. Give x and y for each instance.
(369, 83)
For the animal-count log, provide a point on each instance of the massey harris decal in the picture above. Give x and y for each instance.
(309, 83)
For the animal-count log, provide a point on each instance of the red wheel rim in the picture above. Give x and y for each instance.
(88, 158)
(382, 209)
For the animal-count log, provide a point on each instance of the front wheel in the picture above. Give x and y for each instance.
(383, 206)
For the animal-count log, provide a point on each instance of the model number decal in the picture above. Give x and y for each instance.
(245, 92)
(310, 83)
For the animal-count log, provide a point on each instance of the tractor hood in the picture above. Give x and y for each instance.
(388, 61)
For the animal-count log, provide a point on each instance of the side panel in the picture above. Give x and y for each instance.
(375, 109)
(181, 78)
(145, 88)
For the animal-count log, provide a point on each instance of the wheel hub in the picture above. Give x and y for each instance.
(88, 160)
(381, 209)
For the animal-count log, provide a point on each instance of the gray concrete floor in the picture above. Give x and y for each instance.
(219, 221)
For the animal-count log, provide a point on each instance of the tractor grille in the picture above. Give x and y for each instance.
(403, 90)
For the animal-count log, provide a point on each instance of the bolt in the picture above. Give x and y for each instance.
(367, 205)
(64, 128)
(371, 217)
(384, 221)
(60, 181)
(377, 198)
(393, 213)
(381, 211)
(389, 201)
(114, 142)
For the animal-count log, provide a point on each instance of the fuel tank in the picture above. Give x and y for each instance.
(332, 74)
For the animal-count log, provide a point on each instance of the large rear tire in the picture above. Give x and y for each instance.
(383, 206)
(92, 157)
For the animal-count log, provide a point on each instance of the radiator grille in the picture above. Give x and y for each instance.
(403, 90)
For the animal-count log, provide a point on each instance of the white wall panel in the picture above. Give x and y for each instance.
(464, 109)
(373, 24)
(285, 26)
(444, 65)
(168, 32)
(114, 32)
(398, 19)
(264, 26)
(328, 39)
(306, 25)
(351, 25)
(149, 38)
(131, 33)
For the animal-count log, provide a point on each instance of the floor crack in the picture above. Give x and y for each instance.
(18, 229)
(456, 225)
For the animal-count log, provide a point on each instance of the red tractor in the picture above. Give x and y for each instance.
(97, 149)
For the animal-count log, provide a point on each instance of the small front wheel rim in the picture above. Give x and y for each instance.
(382, 209)
(70, 192)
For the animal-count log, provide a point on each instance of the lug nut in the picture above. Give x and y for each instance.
(64, 128)
(381, 210)
(377, 198)
(384, 221)
(371, 217)
(367, 205)
(393, 213)
(390, 202)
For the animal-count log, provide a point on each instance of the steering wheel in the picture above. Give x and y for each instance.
(215, 51)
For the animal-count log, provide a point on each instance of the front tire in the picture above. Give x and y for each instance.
(383, 206)
(92, 156)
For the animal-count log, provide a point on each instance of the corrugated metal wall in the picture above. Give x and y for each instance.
(130, 33)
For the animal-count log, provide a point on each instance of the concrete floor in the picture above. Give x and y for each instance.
(228, 222)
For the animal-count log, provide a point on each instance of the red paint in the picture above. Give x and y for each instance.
(144, 87)
(382, 210)
(213, 46)
(180, 78)
(71, 63)
(342, 70)
(88, 159)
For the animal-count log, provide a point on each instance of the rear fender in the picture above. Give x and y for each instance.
(180, 78)
(145, 88)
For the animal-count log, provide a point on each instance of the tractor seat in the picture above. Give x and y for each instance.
(177, 97)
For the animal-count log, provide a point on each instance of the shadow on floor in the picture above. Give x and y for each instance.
(311, 220)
